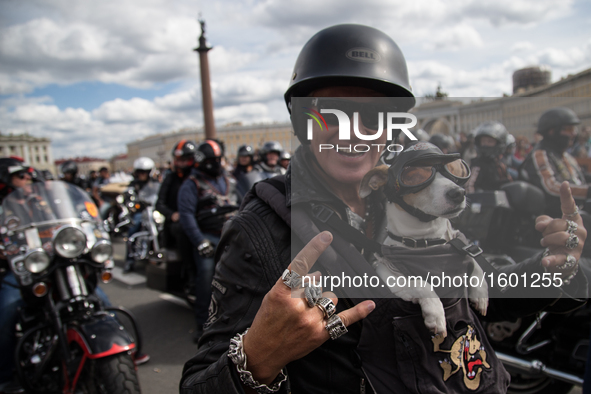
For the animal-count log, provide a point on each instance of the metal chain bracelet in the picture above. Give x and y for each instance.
(238, 357)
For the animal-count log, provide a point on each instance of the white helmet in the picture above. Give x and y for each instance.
(143, 164)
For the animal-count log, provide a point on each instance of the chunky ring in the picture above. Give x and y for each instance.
(572, 241)
(291, 279)
(313, 294)
(569, 263)
(571, 227)
(571, 215)
(327, 307)
(335, 327)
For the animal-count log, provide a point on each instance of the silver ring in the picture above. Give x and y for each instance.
(569, 263)
(571, 215)
(291, 279)
(335, 327)
(312, 294)
(327, 307)
(571, 227)
(572, 241)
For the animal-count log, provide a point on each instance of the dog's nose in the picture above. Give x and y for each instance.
(456, 196)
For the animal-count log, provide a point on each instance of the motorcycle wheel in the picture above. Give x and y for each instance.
(116, 374)
(523, 384)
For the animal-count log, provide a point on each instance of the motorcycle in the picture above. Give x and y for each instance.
(146, 242)
(545, 353)
(57, 249)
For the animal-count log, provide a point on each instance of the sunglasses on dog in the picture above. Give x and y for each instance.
(368, 112)
(457, 171)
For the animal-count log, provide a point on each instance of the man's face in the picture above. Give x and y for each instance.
(570, 132)
(21, 179)
(272, 158)
(143, 175)
(244, 160)
(485, 140)
(104, 174)
(183, 162)
(346, 167)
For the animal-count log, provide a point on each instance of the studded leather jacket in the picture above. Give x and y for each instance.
(255, 247)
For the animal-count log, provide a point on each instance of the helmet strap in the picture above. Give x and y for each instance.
(417, 213)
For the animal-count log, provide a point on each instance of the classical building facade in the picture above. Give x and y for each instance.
(519, 113)
(35, 151)
(159, 147)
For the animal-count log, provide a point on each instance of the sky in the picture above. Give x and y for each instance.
(93, 76)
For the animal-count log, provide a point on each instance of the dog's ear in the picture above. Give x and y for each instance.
(373, 180)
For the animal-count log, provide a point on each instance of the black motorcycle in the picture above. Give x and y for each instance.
(545, 353)
(56, 247)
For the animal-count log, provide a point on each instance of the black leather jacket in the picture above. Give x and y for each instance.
(255, 247)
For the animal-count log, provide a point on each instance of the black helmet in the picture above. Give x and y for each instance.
(208, 157)
(494, 130)
(442, 141)
(350, 55)
(271, 146)
(556, 119)
(184, 148)
(285, 155)
(246, 150)
(69, 167)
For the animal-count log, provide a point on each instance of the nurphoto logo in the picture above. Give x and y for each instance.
(394, 121)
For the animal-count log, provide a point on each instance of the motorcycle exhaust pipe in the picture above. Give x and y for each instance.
(537, 367)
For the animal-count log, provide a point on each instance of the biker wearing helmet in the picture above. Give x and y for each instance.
(244, 165)
(183, 155)
(284, 159)
(269, 164)
(443, 142)
(142, 169)
(70, 170)
(489, 171)
(205, 202)
(549, 164)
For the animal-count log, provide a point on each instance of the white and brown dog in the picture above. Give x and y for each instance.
(423, 188)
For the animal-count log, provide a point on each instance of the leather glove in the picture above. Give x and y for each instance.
(206, 249)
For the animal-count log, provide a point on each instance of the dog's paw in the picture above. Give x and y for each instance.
(479, 299)
(434, 315)
(480, 304)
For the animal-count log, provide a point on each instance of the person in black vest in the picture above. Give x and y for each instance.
(205, 201)
(183, 155)
(70, 171)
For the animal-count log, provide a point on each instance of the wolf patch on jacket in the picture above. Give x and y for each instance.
(467, 354)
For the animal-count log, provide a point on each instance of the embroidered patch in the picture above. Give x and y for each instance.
(219, 286)
(466, 354)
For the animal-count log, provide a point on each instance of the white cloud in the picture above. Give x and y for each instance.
(471, 47)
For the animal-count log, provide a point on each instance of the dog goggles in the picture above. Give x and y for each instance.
(457, 171)
(368, 112)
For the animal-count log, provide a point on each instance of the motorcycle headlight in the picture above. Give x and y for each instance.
(69, 242)
(36, 261)
(101, 251)
(158, 217)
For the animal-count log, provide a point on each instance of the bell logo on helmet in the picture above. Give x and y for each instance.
(364, 55)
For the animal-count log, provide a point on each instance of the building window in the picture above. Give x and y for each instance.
(45, 157)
